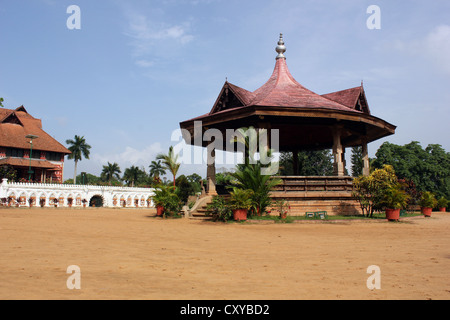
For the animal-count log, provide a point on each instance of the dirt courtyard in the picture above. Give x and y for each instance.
(130, 254)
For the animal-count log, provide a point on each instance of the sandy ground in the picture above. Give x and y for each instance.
(130, 254)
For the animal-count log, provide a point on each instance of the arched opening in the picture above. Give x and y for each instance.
(96, 201)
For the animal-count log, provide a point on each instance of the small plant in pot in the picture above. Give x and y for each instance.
(219, 209)
(282, 206)
(394, 200)
(69, 202)
(427, 203)
(166, 201)
(240, 201)
(442, 204)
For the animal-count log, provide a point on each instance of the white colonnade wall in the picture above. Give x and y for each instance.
(19, 194)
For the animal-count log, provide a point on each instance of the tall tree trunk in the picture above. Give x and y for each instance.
(75, 173)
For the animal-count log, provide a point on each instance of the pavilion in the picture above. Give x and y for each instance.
(304, 120)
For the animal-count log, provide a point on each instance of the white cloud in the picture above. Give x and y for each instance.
(129, 157)
(437, 44)
(150, 37)
(434, 47)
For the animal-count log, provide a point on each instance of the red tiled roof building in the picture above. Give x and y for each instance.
(47, 154)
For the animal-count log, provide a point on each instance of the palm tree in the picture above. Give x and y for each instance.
(110, 171)
(79, 149)
(156, 169)
(170, 162)
(133, 174)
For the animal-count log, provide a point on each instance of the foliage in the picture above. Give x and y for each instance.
(170, 162)
(250, 177)
(442, 202)
(282, 206)
(166, 197)
(370, 190)
(8, 172)
(428, 200)
(184, 188)
(156, 169)
(395, 197)
(241, 198)
(357, 161)
(134, 175)
(429, 168)
(310, 163)
(79, 149)
(110, 171)
(1, 102)
(219, 209)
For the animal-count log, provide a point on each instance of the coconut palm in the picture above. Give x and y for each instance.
(110, 171)
(156, 169)
(170, 162)
(79, 149)
(133, 174)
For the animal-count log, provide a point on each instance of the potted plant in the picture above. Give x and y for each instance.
(219, 209)
(394, 199)
(42, 202)
(442, 204)
(31, 201)
(427, 203)
(55, 202)
(240, 201)
(282, 206)
(84, 203)
(166, 200)
(69, 202)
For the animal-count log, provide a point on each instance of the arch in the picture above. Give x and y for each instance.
(96, 201)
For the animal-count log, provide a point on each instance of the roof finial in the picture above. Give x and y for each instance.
(280, 48)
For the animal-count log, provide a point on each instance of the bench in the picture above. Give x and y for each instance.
(317, 215)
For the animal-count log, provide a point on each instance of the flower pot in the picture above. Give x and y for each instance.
(444, 209)
(392, 214)
(159, 211)
(426, 211)
(240, 214)
(283, 215)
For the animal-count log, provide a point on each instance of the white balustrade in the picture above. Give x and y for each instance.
(20, 193)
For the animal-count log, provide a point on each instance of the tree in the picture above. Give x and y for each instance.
(170, 162)
(357, 161)
(79, 149)
(370, 190)
(156, 170)
(133, 175)
(428, 168)
(310, 163)
(1, 102)
(110, 171)
(250, 177)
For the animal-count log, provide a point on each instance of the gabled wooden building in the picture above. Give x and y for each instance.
(17, 129)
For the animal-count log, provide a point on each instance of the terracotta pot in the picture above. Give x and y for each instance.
(240, 214)
(283, 215)
(159, 211)
(444, 209)
(392, 214)
(426, 211)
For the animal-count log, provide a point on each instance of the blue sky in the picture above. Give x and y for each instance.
(136, 69)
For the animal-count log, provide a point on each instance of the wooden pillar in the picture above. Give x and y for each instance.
(338, 165)
(211, 169)
(365, 156)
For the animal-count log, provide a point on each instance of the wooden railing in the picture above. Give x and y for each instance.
(315, 183)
